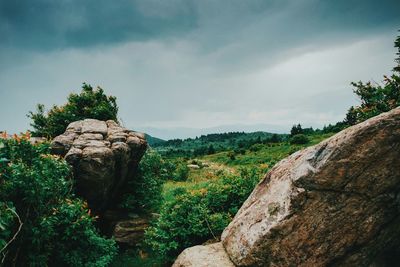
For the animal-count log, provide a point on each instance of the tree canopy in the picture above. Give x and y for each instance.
(90, 103)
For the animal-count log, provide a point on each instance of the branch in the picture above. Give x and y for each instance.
(16, 233)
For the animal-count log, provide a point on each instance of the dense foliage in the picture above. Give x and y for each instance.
(90, 103)
(299, 139)
(144, 193)
(192, 215)
(42, 222)
(375, 99)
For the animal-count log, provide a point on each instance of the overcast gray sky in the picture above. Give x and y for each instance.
(180, 68)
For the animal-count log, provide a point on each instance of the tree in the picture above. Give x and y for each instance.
(210, 150)
(296, 129)
(299, 139)
(90, 103)
(376, 98)
(397, 45)
(275, 138)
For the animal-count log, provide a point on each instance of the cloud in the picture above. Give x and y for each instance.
(44, 24)
(195, 64)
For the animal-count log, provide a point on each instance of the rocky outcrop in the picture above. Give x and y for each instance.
(131, 231)
(333, 204)
(212, 255)
(104, 156)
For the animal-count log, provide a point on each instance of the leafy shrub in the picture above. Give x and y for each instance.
(198, 213)
(89, 103)
(256, 147)
(144, 193)
(299, 139)
(376, 98)
(44, 224)
(181, 172)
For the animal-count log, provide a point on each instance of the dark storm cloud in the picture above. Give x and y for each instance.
(44, 24)
(47, 24)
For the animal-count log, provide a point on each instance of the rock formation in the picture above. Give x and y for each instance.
(104, 156)
(131, 231)
(333, 204)
(212, 255)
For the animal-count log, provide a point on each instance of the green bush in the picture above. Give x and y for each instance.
(89, 103)
(198, 213)
(181, 172)
(144, 191)
(376, 98)
(42, 223)
(299, 139)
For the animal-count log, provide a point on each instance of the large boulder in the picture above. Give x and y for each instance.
(336, 203)
(333, 204)
(104, 156)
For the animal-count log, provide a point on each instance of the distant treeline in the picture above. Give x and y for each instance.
(235, 141)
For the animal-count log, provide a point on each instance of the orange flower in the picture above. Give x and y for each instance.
(17, 138)
(27, 135)
(4, 135)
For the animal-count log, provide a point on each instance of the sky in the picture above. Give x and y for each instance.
(180, 68)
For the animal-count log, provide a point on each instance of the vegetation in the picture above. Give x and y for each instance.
(199, 208)
(41, 221)
(299, 139)
(376, 98)
(214, 143)
(193, 214)
(144, 192)
(90, 103)
(153, 141)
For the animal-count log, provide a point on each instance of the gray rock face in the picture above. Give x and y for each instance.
(103, 155)
(212, 255)
(333, 204)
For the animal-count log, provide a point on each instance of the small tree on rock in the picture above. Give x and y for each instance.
(90, 103)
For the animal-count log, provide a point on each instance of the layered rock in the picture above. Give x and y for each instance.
(130, 231)
(104, 156)
(333, 204)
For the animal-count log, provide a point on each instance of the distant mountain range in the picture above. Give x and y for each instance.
(183, 132)
(151, 140)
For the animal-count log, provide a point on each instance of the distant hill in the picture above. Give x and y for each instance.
(154, 141)
(211, 143)
(186, 132)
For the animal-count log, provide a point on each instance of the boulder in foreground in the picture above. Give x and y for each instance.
(333, 204)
